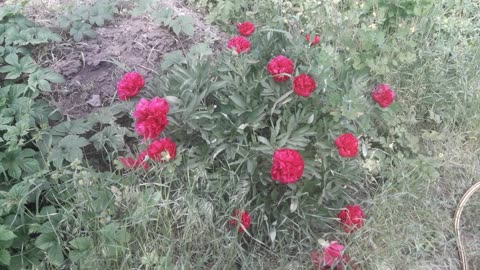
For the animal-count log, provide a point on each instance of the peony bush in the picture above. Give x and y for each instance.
(282, 128)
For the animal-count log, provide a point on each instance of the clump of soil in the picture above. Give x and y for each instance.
(92, 67)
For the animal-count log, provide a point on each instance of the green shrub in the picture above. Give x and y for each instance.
(80, 20)
(228, 116)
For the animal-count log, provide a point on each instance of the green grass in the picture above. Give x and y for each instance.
(410, 222)
(409, 217)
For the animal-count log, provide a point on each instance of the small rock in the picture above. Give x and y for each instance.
(95, 101)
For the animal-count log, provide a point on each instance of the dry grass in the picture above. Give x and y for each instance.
(410, 223)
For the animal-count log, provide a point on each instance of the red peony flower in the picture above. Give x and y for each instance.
(383, 95)
(303, 85)
(132, 163)
(244, 219)
(162, 150)
(280, 67)
(351, 218)
(245, 28)
(129, 85)
(332, 254)
(315, 41)
(240, 44)
(331, 258)
(287, 166)
(151, 117)
(347, 145)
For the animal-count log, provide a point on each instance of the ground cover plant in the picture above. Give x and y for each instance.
(313, 136)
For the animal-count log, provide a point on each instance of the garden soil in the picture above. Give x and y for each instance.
(93, 66)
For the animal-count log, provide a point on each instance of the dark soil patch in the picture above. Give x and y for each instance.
(93, 67)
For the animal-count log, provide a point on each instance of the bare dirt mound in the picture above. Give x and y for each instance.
(93, 67)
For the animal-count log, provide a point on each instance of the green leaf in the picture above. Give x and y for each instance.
(12, 73)
(82, 248)
(46, 241)
(56, 157)
(287, 34)
(54, 77)
(64, 21)
(44, 86)
(110, 135)
(15, 171)
(69, 148)
(4, 257)
(172, 58)
(30, 165)
(9, 10)
(27, 259)
(43, 35)
(48, 210)
(55, 255)
(82, 243)
(6, 234)
(103, 116)
(73, 154)
(13, 69)
(80, 29)
(238, 100)
(12, 59)
(264, 140)
(8, 243)
(141, 7)
(183, 24)
(199, 50)
(28, 65)
(122, 236)
(164, 16)
(73, 141)
(99, 14)
(16, 67)
(75, 127)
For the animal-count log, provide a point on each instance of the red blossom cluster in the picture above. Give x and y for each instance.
(304, 85)
(151, 117)
(239, 44)
(245, 28)
(287, 167)
(129, 85)
(137, 162)
(240, 220)
(383, 95)
(347, 145)
(281, 68)
(331, 257)
(351, 218)
(162, 150)
(287, 164)
(150, 120)
(315, 41)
